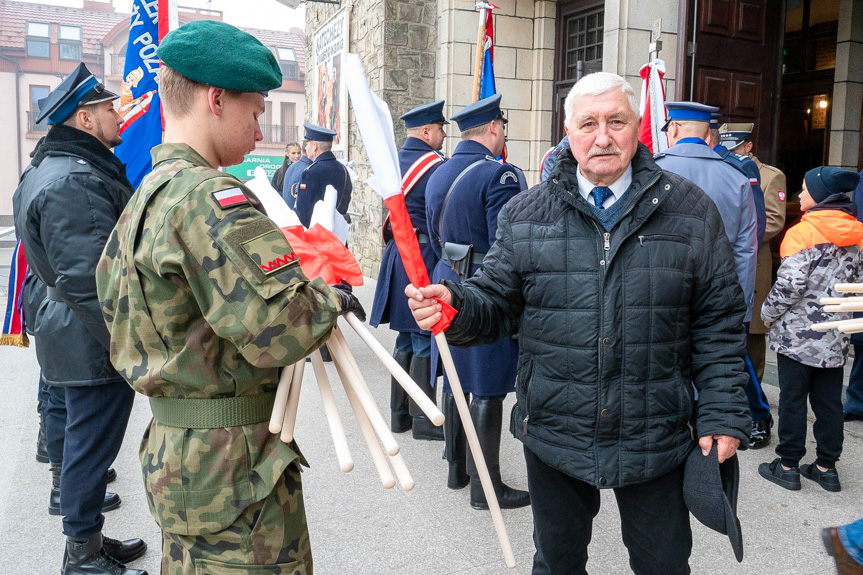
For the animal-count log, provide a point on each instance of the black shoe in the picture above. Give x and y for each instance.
(124, 551)
(787, 478)
(847, 416)
(88, 557)
(41, 450)
(112, 500)
(760, 435)
(111, 476)
(829, 479)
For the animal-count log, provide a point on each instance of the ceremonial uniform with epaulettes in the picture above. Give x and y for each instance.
(463, 200)
(748, 168)
(324, 171)
(470, 219)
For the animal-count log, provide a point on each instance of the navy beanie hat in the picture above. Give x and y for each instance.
(825, 181)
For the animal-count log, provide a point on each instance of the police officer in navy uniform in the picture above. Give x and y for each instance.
(292, 178)
(690, 156)
(324, 171)
(67, 202)
(463, 198)
(743, 164)
(419, 157)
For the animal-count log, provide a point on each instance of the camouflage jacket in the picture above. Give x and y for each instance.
(822, 250)
(204, 299)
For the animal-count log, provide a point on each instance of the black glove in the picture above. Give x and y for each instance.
(348, 301)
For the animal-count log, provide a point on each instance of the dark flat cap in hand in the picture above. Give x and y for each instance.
(710, 493)
(220, 55)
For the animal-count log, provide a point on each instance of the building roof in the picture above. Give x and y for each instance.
(101, 24)
(95, 22)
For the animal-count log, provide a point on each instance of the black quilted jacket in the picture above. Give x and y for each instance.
(614, 328)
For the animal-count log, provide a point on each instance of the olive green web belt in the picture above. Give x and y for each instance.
(213, 413)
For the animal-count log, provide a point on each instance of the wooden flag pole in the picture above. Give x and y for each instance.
(377, 420)
(378, 457)
(397, 461)
(427, 406)
(480, 51)
(293, 402)
(281, 403)
(343, 453)
(475, 449)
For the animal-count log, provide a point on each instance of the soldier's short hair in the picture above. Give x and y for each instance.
(475, 132)
(325, 146)
(596, 84)
(177, 92)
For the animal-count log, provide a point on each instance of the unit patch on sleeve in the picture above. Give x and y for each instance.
(781, 195)
(270, 252)
(230, 198)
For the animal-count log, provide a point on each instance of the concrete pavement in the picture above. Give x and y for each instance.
(358, 527)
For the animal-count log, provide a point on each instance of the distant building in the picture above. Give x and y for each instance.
(40, 44)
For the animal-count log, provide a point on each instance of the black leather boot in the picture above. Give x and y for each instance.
(41, 450)
(111, 476)
(112, 500)
(124, 551)
(455, 444)
(88, 557)
(400, 417)
(487, 416)
(423, 428)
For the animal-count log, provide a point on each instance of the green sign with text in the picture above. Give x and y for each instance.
(246, 170)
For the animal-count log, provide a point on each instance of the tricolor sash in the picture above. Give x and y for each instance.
(13, 320)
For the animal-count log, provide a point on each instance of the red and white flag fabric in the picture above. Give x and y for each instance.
(653, 107)
(376, 128)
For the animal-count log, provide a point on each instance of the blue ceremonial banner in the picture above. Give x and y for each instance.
(139, 96)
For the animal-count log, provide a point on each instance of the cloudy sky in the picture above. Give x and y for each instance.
(267, 14)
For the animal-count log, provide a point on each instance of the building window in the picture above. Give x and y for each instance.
(583, 40)
(36, 94)
(288, 63)
(38, 39)
(70, 42)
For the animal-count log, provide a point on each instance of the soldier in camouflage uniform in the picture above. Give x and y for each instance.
(205, 302)
(822, 250)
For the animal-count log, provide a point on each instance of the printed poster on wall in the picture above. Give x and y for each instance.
(330, 107)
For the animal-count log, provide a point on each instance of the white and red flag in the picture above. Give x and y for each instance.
(653, 107)
(376, 127)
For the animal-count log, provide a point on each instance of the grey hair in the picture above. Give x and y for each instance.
(596, 84)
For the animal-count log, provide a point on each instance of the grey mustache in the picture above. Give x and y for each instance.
(603, 151)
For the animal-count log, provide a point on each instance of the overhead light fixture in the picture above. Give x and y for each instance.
(822, 104)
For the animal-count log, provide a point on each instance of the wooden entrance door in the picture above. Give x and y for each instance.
(580, 26)
(735, 54)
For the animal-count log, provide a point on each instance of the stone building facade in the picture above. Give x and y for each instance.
(738, 55)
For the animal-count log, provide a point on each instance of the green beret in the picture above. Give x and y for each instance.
(222, 56)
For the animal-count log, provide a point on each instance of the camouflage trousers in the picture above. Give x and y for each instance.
(270, 537)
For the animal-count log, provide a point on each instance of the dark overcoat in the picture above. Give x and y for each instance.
(325, 171)
(67, 202)
(292, 181)
(390, 303)
(471, 218)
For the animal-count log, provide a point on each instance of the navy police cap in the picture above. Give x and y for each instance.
(425, 114)
(479, 113)
(318, 134)
(78, 89)
(732, 135)
(688, 111)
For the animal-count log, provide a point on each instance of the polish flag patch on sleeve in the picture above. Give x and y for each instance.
(753, 181)
(230, 197)
(781, 195)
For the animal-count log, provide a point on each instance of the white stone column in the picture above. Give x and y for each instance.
(848, 87)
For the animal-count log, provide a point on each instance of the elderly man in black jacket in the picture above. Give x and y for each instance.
(621, 282)
(66, 204)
